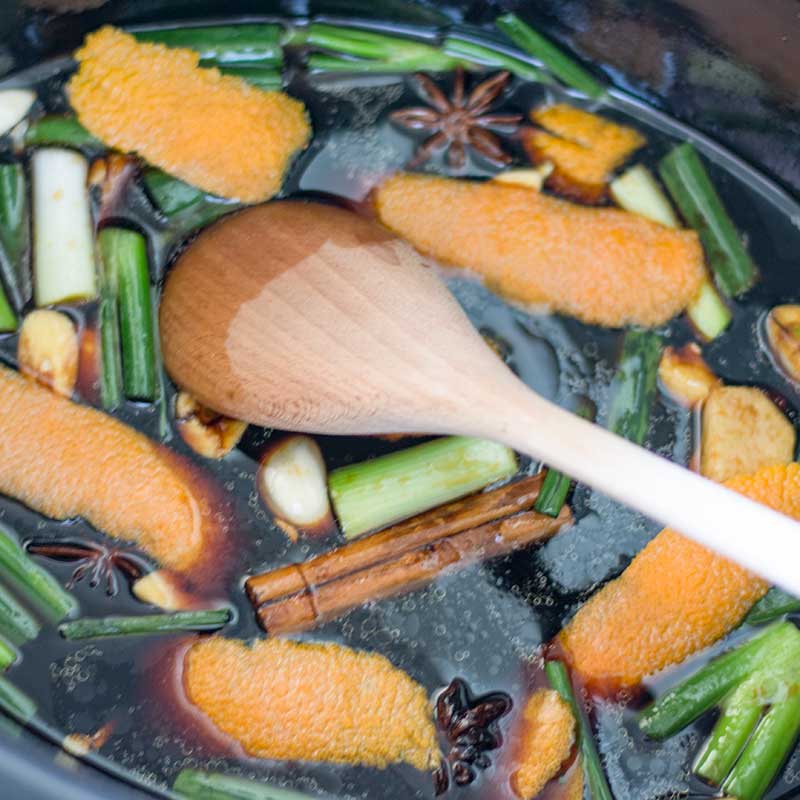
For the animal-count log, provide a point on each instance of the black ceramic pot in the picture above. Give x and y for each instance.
(730, 68)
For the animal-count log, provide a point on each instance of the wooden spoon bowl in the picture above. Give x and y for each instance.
(306, 317)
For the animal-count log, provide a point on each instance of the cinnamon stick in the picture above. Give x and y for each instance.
(407, 571)
(414, 533)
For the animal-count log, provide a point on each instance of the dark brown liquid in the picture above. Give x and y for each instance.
(484, 624)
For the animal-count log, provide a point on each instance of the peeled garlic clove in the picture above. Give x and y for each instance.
(163, 589)
(14, 107)
(293, 482)
(47, 350)
(533, 178)
(210, 434)
(783, 336)
(685, 376)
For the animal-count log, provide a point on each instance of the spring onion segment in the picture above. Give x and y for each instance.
(14, 107)
(567, 70)
(16, 622)
(60, 129)
(256, 75)
(126, 271)
(63, 246)
(774, 604)
(38, 585)
(637, 191)
(692, 190)
(592, 766)
(223, 44)
(481, 53)
(556, 485)
(634, 386)
(97, 627)
(747, 747)
(369, 50)
(381, 491)
(8, 655)
(293, 482)
(15, 235)
(199, 785)
(15, 703)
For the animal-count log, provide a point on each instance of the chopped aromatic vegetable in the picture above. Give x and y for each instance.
(745, 750)
(60, 130)
(381, 491)
(593, 767)
(693, 192)
(63, 245)
(15, 703)
(17, 624)
(482, 53)
(774, 604)
(223, 44)
(15, 235)
(567, 70)
(95, 628)
(198, 785)
(8, 655)
(38, 585)
(125, 264)
(256, 75)
(370, 50)
(634, 387)
(14, 107)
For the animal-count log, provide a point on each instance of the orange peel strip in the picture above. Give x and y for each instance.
(601, 265)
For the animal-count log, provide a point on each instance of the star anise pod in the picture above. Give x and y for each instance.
(96, 560)
(469, 725)
(460, 121)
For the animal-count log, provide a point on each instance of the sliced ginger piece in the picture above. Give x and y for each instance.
(47, 350)
(742, 431)
(67, 460)
(312, 702)
(547, 737)
(584, 149)
(675, 598)
(601, 265)
(213, 131)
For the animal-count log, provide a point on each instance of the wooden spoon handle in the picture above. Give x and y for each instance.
(758, 538)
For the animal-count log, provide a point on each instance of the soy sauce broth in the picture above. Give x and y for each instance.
(484, 624)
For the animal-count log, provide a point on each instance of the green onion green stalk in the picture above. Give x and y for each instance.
(384, 490)
(693, 192)
(98, 627)
(17, 624)
(592, 766)
(566, 69)
(369, 50)
(125, 264)
(774, 604)
(224, 44)
(199, 785)
(15, 703)
(757, 686)
(556, 485)
(38, 585)
(60, 129)
(15, 242)
(634, 387)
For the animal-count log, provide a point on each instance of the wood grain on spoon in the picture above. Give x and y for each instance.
(308, 318)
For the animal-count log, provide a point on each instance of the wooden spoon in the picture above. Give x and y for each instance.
(309, 318)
